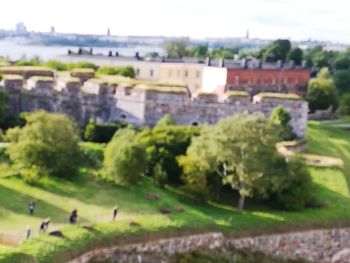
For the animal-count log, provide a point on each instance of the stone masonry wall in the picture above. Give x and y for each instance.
(318, 246)
(147, 107)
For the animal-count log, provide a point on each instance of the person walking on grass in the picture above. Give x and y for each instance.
(73, 217)
(28, 232)
(115, 212)
(31, 207)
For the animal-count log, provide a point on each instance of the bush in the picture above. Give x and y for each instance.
(163, 144)
(125, 157)
(48, 141)
(101, 132)
(31, 175)
(127, 71)
(159, 175)
(55, 64)
(281, 117)
(344, 107)
(287, 185)
(321, 93)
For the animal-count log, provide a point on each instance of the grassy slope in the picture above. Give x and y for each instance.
(95, 200)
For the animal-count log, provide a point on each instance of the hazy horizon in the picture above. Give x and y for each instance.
(267, 19)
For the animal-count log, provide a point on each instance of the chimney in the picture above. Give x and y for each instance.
(137, 55)
(244, 63)
(208, 61)
(279, 64)
(304, 64)
(91, 51)
(116, 54)
(221, 63)
(260, 64)
(292, 64)
(110, 54)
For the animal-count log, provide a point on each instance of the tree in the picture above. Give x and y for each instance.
(4, 100)
(281, 117)
(342, 80)
(177, 48)
(321, 93)
(238, 149)
(296, 55)
(125, 157)
(47, 141)
(342, 62)
(165, 121)
(277, 50)
(199, 51)
(344, 106)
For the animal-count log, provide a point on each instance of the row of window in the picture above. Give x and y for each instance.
(177, 73)
(263, 80)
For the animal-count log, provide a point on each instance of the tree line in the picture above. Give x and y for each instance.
(237, 155)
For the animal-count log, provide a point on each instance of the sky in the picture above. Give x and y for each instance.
(271, 19)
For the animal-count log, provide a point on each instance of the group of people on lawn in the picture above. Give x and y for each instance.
(73, 218)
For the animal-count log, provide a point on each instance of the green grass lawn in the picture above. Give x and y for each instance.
(95, 200)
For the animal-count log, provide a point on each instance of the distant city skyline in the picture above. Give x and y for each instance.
(268, 19)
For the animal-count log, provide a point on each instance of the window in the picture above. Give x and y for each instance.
(151, 73)
(236, 80)
(137, 72)
(186, 73)
(198, 74)
(123, 116)
(273, 81)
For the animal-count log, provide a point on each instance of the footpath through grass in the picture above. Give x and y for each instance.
(95, 200)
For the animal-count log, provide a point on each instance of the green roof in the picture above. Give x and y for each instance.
(25, 68)
(206, 94)
(97, 81)
(271, 95)
(83, 70)
(40, 78)
(237, 93)
(161, 88)
(70, 79)
(12, 77)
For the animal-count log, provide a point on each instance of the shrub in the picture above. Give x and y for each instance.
(344, 106)
(48, 141)
(163, 144)
(101, 132)
(125, 157)
(159, 175)
(127, 71)
(281, 117)
(31, 175)
(55, 64)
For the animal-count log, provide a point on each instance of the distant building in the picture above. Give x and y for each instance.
(211, 75)
(21, 29)
(52, 30)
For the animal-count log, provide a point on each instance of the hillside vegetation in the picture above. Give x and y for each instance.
(159, 211)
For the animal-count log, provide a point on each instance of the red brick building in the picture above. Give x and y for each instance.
(255, 80)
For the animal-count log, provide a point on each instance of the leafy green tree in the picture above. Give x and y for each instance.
(163, 144)
(226, 53)
(55, 64)
(342, 62)
(125, 157)
(47, 141)
(281, 117)
(177, 48)
(101, 132)
(344, 106)
(238, 148)
(342, 80)
(165, 121)
(287, 184)
(127, 71)
(296, 55)
(277, 50)
(321, 93)
(199, 51)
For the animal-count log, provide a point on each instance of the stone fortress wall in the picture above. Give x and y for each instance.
(138, 104)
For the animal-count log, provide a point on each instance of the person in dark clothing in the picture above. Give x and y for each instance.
(73, 217)
(115, 212)
(31, 207)
(42, 227)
